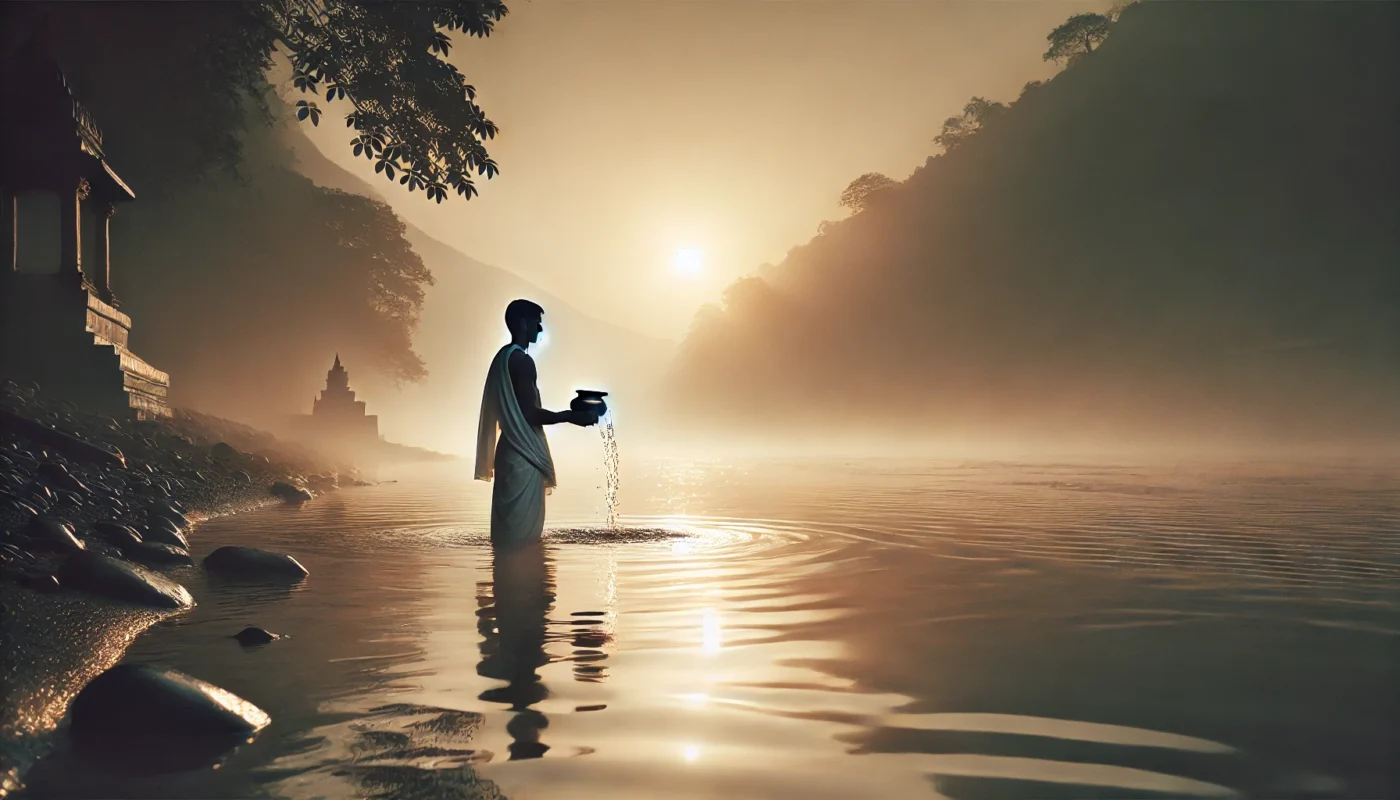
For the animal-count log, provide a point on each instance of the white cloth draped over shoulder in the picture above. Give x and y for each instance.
(514, 453)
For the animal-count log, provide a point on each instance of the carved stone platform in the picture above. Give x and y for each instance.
(74, 345)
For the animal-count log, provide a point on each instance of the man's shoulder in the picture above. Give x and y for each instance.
(521, 359)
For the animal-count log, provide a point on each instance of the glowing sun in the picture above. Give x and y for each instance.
(688, 261)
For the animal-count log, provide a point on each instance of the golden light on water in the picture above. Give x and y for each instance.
(711, 634)
(691, 752)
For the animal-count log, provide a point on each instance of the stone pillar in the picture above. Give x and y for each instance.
(9, 229)
(70, 232)
(104, 251)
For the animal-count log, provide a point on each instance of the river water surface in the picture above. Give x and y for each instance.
(813, 629)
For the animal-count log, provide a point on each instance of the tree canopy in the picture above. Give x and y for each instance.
(198, 65)
(1077, 36)
(856, 196)
(415, 114)
(976, 115)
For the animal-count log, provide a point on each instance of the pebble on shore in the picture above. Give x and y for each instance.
(252, 636)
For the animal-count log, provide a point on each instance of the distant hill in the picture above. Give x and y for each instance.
(1193, 230)
(462, 327)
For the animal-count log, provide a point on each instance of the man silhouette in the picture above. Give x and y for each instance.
(511, 446)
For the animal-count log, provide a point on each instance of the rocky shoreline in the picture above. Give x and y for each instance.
(92, 510)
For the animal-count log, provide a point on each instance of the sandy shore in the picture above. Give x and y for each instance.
(80, 468)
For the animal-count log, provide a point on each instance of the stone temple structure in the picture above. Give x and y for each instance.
(336, 416)
(59, 323)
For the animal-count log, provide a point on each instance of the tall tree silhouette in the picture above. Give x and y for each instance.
(1077, 36)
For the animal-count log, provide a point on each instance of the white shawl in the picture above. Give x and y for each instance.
(501, 417)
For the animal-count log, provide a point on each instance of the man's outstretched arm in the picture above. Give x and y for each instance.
(522, 378)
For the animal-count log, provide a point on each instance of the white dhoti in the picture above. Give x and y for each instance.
(513, 453)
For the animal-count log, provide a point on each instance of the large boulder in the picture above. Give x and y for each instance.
(224, 451)
(290, 493)
(160, 720)
(53, 534)
(249, 562)
(110, 577)
(162, 531)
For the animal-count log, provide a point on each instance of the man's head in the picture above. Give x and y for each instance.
(524, 320)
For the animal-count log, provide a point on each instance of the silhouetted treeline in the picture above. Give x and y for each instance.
(1191, 228)
(241, 275)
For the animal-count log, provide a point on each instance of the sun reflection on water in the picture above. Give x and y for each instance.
(711, 634)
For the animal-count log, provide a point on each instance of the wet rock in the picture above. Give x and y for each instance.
(156, 553)
(253, 563)
(40, 582)
(21, 506)
(290, 493)
(13, 552)
(109, 577)
(243, 477)
(68, 498)
(250, 636)
(159, 719)
(39, 495)
(224, 451)
(167, 511)
(57, 476)
(163, 531)
(53, 534)
(117, 533)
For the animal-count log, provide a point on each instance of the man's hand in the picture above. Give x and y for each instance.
(582, 418)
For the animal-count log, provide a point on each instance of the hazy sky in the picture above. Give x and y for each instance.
(633, 128)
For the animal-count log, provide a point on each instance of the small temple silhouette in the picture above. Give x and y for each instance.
(336, 416)
(59, 323)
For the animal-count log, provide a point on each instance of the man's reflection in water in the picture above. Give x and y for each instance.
(513, 638)
(513, 620)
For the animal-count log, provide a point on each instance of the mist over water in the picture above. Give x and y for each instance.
(800, 627)
(1064, 467)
